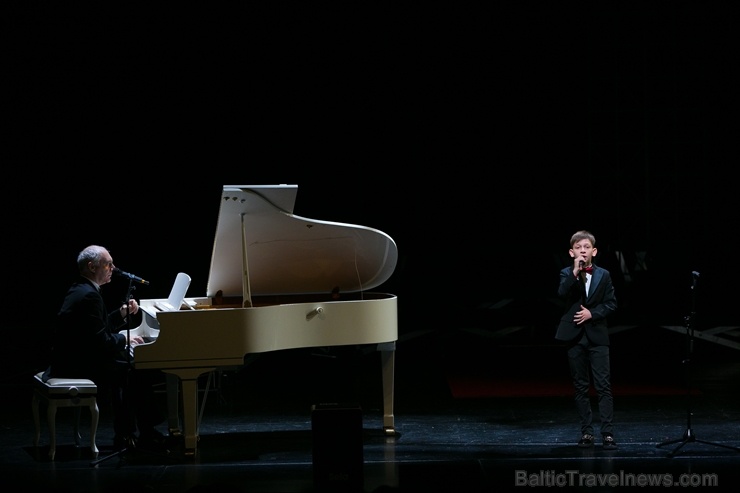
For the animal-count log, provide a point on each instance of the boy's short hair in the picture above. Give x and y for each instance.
(582, 235)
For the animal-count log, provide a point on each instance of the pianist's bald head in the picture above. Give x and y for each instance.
(96, 263)
(92, 254)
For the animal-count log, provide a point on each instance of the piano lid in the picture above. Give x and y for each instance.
(289, 254)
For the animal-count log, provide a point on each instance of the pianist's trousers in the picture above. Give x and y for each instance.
(134, 401)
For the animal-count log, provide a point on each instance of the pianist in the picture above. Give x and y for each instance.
(87, 344)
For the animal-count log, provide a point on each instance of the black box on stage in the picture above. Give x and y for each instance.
(337, 447)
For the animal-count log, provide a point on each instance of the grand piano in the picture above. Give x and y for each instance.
(277, 281)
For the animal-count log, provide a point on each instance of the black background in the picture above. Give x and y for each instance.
(478, 138)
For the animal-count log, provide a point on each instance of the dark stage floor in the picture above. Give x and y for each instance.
(513, 434)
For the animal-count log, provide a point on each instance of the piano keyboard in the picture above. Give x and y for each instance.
(147, 340)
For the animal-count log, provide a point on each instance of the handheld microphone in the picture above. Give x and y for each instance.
(134, 278)
(580, 264)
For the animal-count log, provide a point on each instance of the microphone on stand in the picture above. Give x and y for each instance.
(134, 278)
(695, 277)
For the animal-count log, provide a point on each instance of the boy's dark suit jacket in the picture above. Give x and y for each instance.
(601, 301)
(86, 343)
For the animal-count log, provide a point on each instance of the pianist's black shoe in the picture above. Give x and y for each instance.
(121, 442)
(152, 441)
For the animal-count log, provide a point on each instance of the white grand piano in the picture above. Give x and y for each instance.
(277, 281)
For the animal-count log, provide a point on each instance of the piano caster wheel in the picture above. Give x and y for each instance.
(190, 452)
(389, 432)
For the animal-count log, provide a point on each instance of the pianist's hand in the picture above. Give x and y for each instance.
(135, 340)
(133, 308)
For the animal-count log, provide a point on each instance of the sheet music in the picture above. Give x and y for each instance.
(177, 294)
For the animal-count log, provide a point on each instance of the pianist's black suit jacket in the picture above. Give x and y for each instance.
(601, 301)
(86, 341)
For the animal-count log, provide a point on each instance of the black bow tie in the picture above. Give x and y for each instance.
(588, 270)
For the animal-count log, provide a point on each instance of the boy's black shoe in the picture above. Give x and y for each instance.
(587, 440)
(608, 442)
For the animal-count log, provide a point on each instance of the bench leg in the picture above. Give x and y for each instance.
(35, 409)
(77, 437)
(51, 416)
(94, 415)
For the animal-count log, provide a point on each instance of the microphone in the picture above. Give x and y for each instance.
(134, 278)
(580, 264)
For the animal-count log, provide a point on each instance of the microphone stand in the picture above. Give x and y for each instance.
(688, 435)
(129, 366)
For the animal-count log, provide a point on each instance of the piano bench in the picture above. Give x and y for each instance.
(64, 392)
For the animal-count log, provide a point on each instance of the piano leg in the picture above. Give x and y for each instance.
(189, 381)
(173, 405)
(388, 361)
